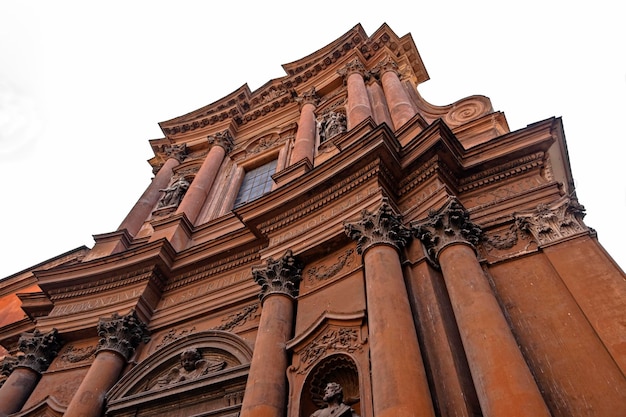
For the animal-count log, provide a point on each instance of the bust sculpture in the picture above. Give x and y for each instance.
(333, 397)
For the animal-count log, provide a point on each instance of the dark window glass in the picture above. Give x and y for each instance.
(256, 182)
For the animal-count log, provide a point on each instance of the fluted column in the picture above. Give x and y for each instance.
(119, 337)
(142, 208)
(503, 381)
(397, 98)
(266, 389)
(304, 146)
(399, 384)
(221, 143)
(358, 108)
(39, 351)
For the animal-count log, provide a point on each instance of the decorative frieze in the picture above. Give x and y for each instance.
(381, 227)
(39, 349)
(72, 354)
(324, 272)
(223, 139)
(448, 225)
(331, 124)
(239, 318)
(280, 276)
(173, 335)
(122, 334)
(549, 223)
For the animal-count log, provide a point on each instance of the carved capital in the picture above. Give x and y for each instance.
(352, 67)
(7, 364)
(549, 223)
(308, 97)
(381, 227)
(386, 65)
(448, 225)
(280, 276)
(39, 349)
(178, 152)
(122, 334)
(223, 139)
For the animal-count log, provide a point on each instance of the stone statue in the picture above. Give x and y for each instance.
(192, 366)
(174, 193)
(333, 397)
(333, 124)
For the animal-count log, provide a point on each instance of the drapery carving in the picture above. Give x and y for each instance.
(381, 227)
(450, 224)
(122, 334)
(279, 276)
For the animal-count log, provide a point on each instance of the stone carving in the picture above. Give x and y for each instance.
(331, 125)
(552, 222)
(279, 276)
(308, 97)
(502, 241)
(192, 366)
(122, 334)
(447, 225)
(178, 152)
(333, 340)
(239, 318)
(39, 349)
(223, 139)
(387, 64)
(73, 354)
(7, 364)
(321, 273)
(382, 227)
(174, 193)
(333, 397)
(173, 335)
(354, 66)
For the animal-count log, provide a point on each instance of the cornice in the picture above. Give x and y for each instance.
(508, 170)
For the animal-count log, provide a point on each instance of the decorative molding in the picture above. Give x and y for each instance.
(73, 354)
(308, 97)
(192, 365)
(280, 276)
(178, 152)
(122, 334)
(387, 64)
(352, 67)
(39, 349)
(446, 226)
(381, 227)
(323, 272)
(502, 241)
(238, 318)
(333, 340)
(550, 223)
(502, 172)
(223, 139)
(173, 335)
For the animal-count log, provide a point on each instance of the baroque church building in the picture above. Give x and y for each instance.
(331, 244)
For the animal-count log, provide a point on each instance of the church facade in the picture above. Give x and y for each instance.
(331, 229)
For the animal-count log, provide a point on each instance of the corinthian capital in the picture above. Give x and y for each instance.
(354, 66)
(308, 97)
(381, 227)
(387, 64)
(450, 224)
(122, 334)
(280, 276)
(39, 349)
(223, 139)
(178, 152)
(549, 223)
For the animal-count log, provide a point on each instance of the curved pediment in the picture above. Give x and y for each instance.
(211, 366)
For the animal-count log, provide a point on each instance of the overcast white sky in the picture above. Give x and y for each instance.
(84, 84)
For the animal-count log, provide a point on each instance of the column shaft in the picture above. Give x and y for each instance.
(201, 185)
(102, 375)
(266, 389)
(359, 107)
(379, 104)
(304, 146)
(143, 207)
(16, 390)
(399, 384)
(502, 378)
(397, 99)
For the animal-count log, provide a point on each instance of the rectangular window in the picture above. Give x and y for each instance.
(256, 182)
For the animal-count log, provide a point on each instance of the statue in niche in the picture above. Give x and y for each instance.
(333, 397)
(332, 125)
(192, 366)
(174, 193)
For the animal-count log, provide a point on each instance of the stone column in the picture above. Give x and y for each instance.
(39, 351)
(266, 389)
(119, 337)
(304, 146)
(221, 143)
(399, 384)
(398, 100)
(144, 206)
(503, 381)
(358, 108)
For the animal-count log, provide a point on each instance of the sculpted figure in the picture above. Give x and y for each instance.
(174, 193)
(333, 397)
(192, 366)
(332, 125)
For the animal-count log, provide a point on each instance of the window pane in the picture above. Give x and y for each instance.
(256, 182)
